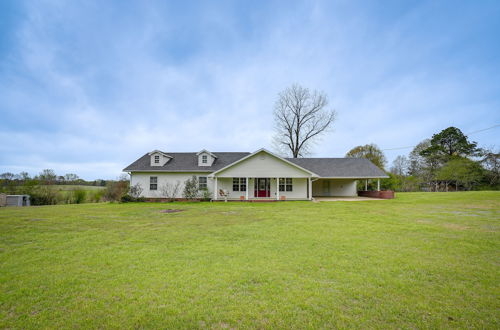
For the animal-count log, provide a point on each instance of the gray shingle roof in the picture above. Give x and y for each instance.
(186, 162)
(340, 167)
(324, 167)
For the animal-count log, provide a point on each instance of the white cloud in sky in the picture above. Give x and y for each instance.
(90, 88)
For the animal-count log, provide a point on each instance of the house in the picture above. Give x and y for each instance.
(251, 176)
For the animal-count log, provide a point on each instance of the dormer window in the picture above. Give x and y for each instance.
(159, 158)
(205, 158)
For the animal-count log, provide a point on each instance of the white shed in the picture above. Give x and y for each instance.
(18, 200)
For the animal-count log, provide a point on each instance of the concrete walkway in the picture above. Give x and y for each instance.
(345, 199)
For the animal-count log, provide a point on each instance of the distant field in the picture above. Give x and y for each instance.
(423, 260)
(68, 187)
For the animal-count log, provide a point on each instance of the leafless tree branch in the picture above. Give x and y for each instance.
(300, 117)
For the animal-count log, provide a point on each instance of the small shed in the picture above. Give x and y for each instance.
(18, 200)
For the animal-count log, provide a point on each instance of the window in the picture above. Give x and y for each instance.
(239, 184)
(153, 182)
(286, 184)
(157, 159)
(204, 159)
(202, 183)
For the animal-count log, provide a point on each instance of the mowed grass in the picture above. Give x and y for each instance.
(423, 260)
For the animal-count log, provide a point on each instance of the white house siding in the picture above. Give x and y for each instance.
(143, 179)
(299, 186)
(334, 187)
(263, 165)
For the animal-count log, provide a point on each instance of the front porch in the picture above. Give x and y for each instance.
(261, 189)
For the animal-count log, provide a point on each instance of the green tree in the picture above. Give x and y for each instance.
(191, 190)
(461, 171)
(451, 142)
(491, 163)
(370, 151)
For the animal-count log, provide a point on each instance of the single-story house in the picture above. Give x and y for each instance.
(250, 176)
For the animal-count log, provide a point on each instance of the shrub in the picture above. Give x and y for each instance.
(127, 199)
(115, 190)
(43, 195)
(170, 190)
(136, 190)
(96, 196)
(79, 196)
(206, 195)
(191, 188)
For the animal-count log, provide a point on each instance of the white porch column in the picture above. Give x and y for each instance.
(310, 189)
(277, 189)
(378, 184)
(246, 191)
(366, 184)
(216, 193)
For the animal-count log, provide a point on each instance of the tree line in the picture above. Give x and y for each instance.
(448, 161)
(46, 188)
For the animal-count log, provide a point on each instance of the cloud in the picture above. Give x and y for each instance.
(89, 87)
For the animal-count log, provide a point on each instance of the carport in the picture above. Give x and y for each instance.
(338, 177)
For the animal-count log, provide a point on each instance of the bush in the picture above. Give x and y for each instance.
(96, 196)
(136, 190)
(79, 196)
(43, 195)
(115, 190)
(206, 195)
(127, 199)
(191, 188)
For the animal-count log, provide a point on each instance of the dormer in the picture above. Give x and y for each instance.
(159, 158)
(205, 158)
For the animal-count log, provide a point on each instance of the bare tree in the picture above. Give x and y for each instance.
(300, 117)
(170, 190)
(400, 166)
(136, 190)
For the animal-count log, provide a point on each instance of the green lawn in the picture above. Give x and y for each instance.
(423, 260)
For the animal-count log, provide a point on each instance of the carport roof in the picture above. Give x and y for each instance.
(348, 168)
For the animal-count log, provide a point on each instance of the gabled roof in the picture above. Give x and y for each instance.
(185, 162)
(347, 168)
(206, 151)
(159, 152)
(268, 152)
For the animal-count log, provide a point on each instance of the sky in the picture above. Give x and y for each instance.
(87, 87)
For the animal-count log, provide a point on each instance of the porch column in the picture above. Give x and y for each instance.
(277, 189)
(246, 191)
(310, 189)
(378, 184)
(366, 184)
(216, 193)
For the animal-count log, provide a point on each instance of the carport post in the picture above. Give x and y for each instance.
(277, 189)
(215, 188)
(378, 184)
(246, 191)
(310, 189)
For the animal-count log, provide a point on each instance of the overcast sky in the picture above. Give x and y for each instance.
(88, 87)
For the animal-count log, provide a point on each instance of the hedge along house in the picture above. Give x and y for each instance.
(261, 175)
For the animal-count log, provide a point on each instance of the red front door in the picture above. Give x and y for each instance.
(262, 187)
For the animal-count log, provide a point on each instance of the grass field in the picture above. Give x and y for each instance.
(423, 260)
(70, 187)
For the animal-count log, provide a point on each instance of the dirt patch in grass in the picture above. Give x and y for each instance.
(171, 211)
(455, 226)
